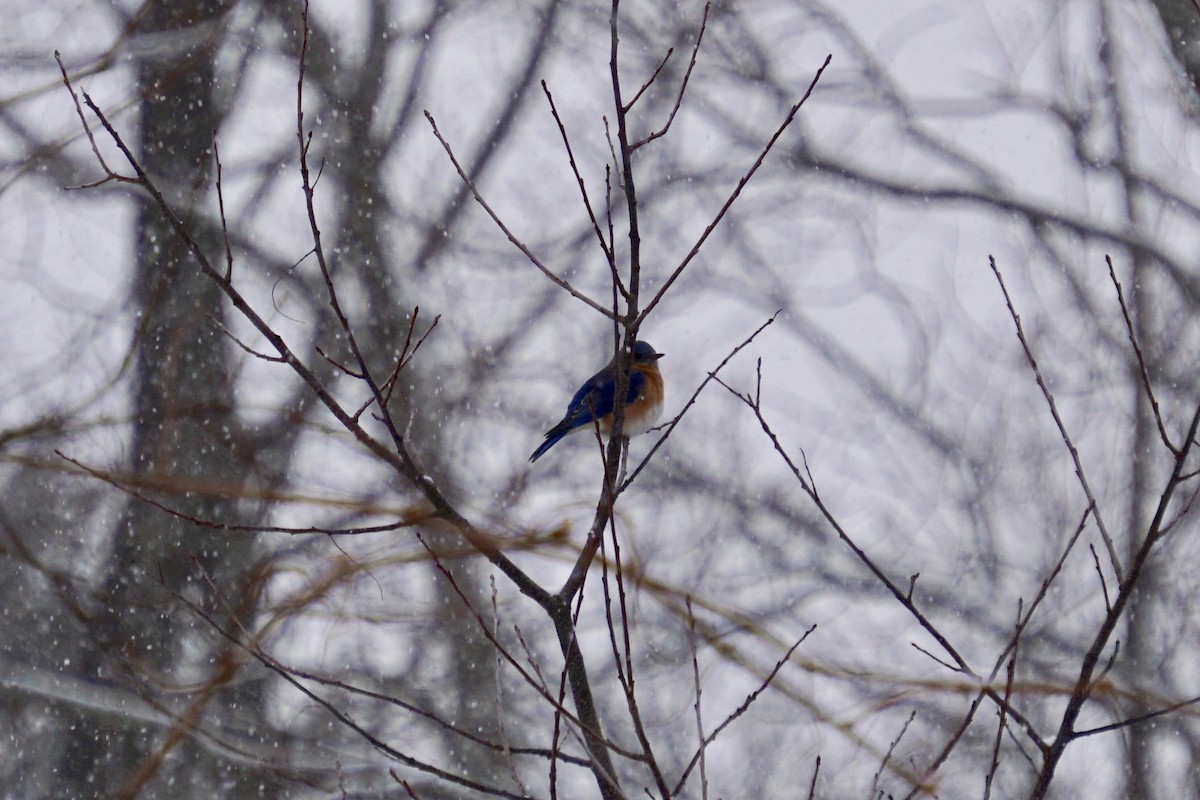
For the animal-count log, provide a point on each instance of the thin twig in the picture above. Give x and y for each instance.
(888, 755)
(932, 657)
(635, 713)
(1126, 723)
(712, 375)
(342, 717)
(696, 684)
(650, 81)
(1103, 582)
(682, 86)
(109, 174)
(503, 651)
(922, 786)
(625, 176)
(221, 206)
(517, 243)
(555, 752)
(1062, 428)
(1137, 350)
(629, 681)
(756, 407)
(605, 246)
(741, 184)
(339, 366)
(407, 522)
(424, 714)
(1043, 590)
(247, 348)
(1085, 683)
(1184, 509)
(407, 787)
(500, 715)
(1008, 685)
(742, 709)
(406, 356)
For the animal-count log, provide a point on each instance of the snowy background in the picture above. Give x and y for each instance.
(1046, 135)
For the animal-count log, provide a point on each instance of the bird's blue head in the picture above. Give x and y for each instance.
(643, 353)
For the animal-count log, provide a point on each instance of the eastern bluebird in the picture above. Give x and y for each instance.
(594, 400)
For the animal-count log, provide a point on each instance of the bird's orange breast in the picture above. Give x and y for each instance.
(646, 408)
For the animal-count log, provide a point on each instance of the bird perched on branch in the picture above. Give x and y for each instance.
(594, 402)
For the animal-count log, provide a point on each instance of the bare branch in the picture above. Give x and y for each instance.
(1062, 428)
(1126, 723)
(741, 184)
(560, 282)
(682, 86)
(415, 518)
(1043, 590)
(109, 174)
(696, 684)
(342, 718)
(935, 659)
(888, 755)
(243, 345)
(742, 709)
(1084, 684)
(401, 459)
(1008, 685)
(339, 366)
(921, 787)
(500, 715)
(891, 586)
(1141, 360)
(650, 81)
(406, 356)
(503, 651)
(605, 245)
(1103, 582)
(712, 375)
(221, 206)
(629, 683)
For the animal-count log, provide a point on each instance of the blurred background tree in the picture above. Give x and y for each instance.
(1049, 135)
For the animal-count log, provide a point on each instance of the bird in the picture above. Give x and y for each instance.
(594, 402)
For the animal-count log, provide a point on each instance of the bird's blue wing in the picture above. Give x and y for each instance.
(594, 400)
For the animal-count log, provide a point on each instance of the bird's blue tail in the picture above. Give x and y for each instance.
(552, 439)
